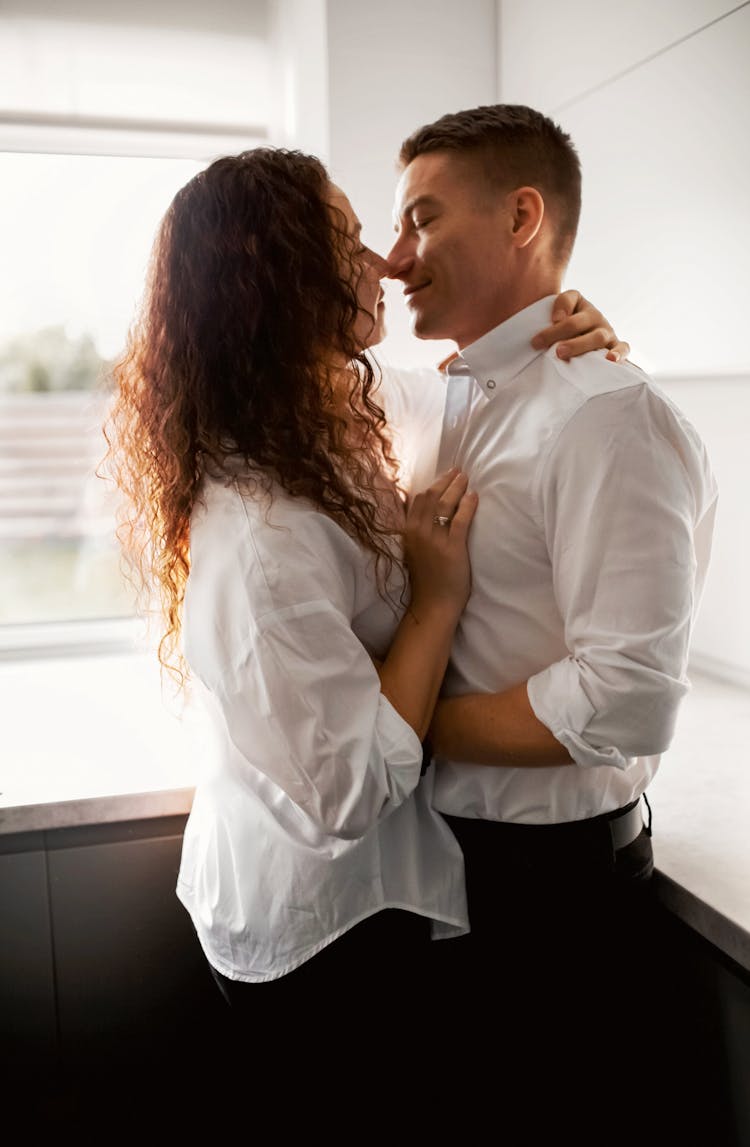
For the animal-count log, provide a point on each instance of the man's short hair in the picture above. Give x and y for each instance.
(515, 146)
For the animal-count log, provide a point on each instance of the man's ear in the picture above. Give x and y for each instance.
(527, 208)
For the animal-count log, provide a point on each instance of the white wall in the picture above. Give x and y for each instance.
(656, 97)
(387, 68)
(393, 67)
(551, 53)
(720, 407)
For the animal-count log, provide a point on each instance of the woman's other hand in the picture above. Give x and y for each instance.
(582, 326)
(437, 525)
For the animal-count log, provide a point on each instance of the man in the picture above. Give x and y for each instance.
(589, 549)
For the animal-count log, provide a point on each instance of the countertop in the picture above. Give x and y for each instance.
(90, 740)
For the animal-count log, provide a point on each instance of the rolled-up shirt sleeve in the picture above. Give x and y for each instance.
(626, 500)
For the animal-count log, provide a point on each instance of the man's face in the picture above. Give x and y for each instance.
(453, 252)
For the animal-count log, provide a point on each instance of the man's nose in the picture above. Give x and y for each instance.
(399, 260)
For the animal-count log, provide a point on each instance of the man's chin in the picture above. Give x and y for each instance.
(422, 328)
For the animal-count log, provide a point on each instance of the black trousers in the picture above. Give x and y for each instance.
(564, 971)
(556, 900)
(328, 1043)
(381, 955)
(545, 1025)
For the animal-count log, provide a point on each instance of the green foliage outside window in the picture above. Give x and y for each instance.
(49, 361)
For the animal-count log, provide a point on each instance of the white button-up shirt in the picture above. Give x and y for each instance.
(311, 814)
(589, 549)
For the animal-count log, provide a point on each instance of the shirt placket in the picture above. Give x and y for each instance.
(458, 401)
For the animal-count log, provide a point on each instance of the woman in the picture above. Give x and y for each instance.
(264, 501)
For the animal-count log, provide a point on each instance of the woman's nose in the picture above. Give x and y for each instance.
(380, 266)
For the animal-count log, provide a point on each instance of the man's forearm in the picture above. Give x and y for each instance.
(495, 729)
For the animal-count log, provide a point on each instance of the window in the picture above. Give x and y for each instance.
(76, 234)
(105, 111)
(103, 116)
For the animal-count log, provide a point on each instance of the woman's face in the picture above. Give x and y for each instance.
(369, 328)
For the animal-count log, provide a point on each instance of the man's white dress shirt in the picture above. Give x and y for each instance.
(589, 550)
(311, 815)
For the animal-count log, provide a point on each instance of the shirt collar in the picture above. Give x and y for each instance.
(499, 356)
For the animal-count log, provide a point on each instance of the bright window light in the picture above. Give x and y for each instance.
(75, 232)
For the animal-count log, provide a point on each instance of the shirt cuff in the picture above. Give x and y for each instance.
(400, 749)
(559, 702)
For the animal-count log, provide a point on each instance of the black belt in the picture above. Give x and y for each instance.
(624, 824)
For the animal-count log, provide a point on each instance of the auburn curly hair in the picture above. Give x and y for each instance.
(236, 353)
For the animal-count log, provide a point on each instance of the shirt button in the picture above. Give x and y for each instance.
(491, 384)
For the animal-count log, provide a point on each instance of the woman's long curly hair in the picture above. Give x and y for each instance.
(236, 355)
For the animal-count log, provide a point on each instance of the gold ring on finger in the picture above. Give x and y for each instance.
(441, 520)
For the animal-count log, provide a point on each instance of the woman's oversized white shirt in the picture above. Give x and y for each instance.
(311, 815)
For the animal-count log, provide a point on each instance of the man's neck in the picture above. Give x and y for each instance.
(523, 296)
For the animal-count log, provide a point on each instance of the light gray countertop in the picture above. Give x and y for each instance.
(91, 740)
(700, 799)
